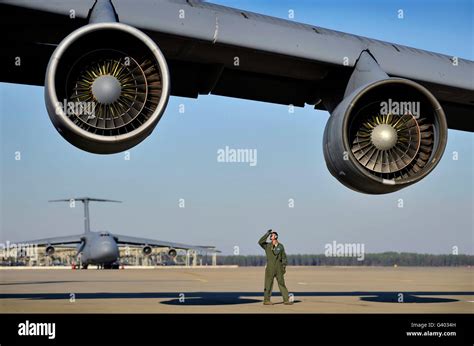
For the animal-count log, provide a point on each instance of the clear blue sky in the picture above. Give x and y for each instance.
(231, 205)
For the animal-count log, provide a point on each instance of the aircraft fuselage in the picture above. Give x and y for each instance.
(98, 248)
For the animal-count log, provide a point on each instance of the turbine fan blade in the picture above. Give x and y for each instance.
(391, 157)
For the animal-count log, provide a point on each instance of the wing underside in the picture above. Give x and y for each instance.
(279, 61)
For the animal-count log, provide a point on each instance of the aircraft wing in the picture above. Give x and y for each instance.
(212, 49)
(127, 240)
(67, 240)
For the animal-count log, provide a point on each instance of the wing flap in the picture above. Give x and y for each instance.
(127, 240)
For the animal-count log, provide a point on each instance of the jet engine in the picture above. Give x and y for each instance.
(172, 253)
(50, 250)
(106, 87)
(384, 135)
(146, 250)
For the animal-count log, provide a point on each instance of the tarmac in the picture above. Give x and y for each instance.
(237, 290)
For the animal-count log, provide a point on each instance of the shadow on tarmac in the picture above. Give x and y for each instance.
(232, 298)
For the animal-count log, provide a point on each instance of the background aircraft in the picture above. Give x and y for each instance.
(102, 248)
(109, 68)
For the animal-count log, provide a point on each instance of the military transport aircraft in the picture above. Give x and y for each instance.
(102, 248)
(108, 68)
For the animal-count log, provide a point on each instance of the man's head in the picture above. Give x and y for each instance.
(273, 236)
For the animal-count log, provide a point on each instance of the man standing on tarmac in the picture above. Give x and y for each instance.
(276, 267)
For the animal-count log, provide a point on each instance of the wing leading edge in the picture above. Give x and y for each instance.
(66, 240)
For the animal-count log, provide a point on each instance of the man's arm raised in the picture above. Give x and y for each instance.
(263, 240)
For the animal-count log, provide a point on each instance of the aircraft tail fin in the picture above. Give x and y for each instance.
(85, 201)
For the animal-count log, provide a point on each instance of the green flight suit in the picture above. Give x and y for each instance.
(276, 267)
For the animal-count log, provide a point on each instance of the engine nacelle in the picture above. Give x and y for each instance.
(384, 136)
(146, 250)
(172, 253)
(106, 87)
(50, 250)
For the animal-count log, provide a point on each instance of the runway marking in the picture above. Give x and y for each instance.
(302, 283)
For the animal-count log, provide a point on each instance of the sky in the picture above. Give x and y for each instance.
(230, 205)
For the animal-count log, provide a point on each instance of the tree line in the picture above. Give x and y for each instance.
(374, 259)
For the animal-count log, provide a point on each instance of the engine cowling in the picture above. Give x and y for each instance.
(106, 87)
(50, 250)
(172, 253)
(146, 250)
(371, 148)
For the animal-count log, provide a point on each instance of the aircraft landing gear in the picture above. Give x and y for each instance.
(111, 266)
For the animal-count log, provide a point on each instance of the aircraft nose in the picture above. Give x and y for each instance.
(107, 251)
